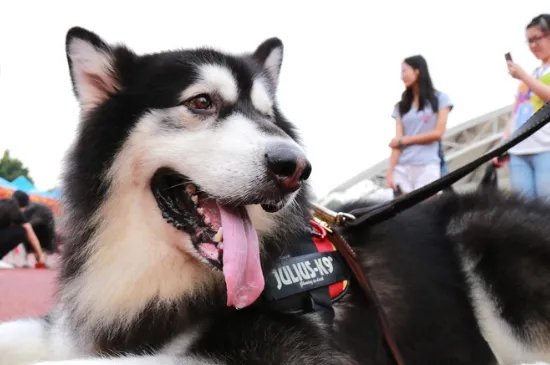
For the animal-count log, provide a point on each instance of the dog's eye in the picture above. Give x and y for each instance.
(199, 102)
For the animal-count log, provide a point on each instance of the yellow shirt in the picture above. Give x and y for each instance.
(526, 104)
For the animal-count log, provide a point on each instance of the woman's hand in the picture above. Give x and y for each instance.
(35, 243)
(540, 89)
(40, 259)
(516, 71)
(390, 181)
(500, 161)
(395, 143)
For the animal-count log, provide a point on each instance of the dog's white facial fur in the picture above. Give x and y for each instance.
(214, 79)
(225, 157)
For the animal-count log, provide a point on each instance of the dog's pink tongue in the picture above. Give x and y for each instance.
(241, 257)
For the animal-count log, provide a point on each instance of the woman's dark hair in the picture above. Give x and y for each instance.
(427, 93)
(542, 21)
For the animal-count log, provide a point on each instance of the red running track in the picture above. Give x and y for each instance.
(25, 292)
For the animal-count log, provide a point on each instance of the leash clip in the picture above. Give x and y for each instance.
(331, 217)
(343, 218)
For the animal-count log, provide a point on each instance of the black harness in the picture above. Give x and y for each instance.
(309, 277)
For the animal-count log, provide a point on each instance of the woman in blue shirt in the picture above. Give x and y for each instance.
(421, 120)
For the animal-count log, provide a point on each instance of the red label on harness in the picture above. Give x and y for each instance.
(324, 245)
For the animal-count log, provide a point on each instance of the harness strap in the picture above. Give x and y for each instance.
(381, 212)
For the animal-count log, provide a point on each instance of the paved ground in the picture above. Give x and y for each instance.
(25, 292)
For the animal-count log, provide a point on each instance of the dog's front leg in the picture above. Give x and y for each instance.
(137, 360)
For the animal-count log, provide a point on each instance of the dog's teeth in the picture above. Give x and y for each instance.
(218, 237)
(200, 211)
(195, 199)
(190, 189)
(206, 220)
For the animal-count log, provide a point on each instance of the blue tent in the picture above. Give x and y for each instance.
(6, 184)
(22, 183)
(56, 193)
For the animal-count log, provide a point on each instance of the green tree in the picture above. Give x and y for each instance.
(11, 168)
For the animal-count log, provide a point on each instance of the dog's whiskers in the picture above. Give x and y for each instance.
(176, 185)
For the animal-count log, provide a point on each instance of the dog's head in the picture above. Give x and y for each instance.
(183, 163)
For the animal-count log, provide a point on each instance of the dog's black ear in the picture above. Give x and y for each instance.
(270, 55)
(92, 65)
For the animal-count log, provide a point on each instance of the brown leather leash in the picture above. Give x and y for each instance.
(381, 212)
(327, 219)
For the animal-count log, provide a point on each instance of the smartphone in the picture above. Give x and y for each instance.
(508, 56)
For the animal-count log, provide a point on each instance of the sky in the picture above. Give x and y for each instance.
(339, 80)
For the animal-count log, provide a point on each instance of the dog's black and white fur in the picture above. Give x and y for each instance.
(462, 279)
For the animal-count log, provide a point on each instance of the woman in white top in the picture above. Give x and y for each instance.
(529, 165)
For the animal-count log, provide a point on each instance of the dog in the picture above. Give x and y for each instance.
(185, 186)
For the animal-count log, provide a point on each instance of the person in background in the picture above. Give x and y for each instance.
(42, 220)
(14, 230)
(421, 120)
(529, 161)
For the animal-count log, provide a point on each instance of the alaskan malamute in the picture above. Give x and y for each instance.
(186, 184)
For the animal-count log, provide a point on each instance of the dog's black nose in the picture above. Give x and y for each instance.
(289, 165)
